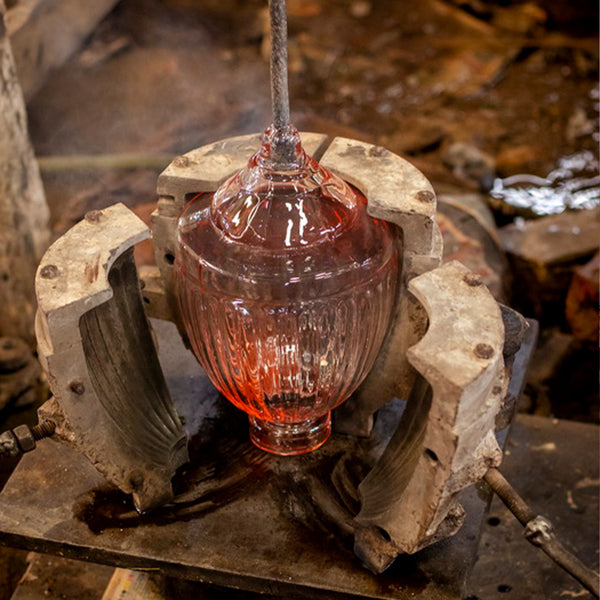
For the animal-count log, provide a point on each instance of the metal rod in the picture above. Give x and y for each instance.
(538, 531)
(280, 100)
(509, 496)
(43, 429)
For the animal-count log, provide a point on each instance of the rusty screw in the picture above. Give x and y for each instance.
(93, 216)
(425, 196)
(43, 430)
(483, 351)
(77, 387)
(49, 272)
(377, 151)
(136, 479)
(473, 280)
(181, 161)
(23, 438)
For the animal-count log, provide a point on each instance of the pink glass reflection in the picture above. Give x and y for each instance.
(286, 287)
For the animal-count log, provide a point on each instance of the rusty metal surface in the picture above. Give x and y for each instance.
(505, 559)
(54, 577)
(553, 464)
(242, 518)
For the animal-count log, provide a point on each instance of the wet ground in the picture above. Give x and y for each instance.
(469, 91)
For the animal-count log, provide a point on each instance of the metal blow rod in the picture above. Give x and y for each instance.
(280, 100)
(538, 531)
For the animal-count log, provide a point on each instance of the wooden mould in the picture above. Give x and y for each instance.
(444, 351)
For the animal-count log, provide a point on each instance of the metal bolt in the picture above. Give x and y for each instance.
(425, 196)
(539, 531)
(43, 429)
(93, 216)
(77, 387)
(24, 437)
(377, 151)
(136, 479)
(181, 162)
(472, 279)
(49, 272)
(483, 351)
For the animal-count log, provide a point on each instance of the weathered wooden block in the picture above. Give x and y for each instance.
(445, 440)
(110, 397)
(544, 253)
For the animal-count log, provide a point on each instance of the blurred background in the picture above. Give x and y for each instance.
(495, 101)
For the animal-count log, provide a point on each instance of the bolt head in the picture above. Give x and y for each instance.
(473, 280)
(181, 161)
(425, 196)
(77, 387)
(49, 272)
(24, 437)
(93, 216)
(136, 480)
(377, 151)
(483, 351)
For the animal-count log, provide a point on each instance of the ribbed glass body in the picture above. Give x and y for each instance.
(286, 287)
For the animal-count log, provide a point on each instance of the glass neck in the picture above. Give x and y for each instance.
(281, 149)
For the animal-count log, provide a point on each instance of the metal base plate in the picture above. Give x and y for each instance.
(553, 464)
(242, 518)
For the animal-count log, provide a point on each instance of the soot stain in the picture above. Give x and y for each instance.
(224, 466)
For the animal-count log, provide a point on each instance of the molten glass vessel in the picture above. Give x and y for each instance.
(286, 287)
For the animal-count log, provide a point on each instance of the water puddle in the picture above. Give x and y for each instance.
(574, 185)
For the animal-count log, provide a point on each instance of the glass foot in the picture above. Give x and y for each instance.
(287, 439)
